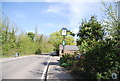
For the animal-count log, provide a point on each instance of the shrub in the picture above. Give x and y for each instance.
(103, 59)
(38, 51)
(67, 60)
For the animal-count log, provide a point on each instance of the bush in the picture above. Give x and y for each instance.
(67, 60)
(103, 59)
(99, 62)
(38, 51)
(64, 65)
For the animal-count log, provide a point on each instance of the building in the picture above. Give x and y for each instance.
(68, 49)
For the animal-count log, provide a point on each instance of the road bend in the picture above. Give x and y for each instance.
(30, 67)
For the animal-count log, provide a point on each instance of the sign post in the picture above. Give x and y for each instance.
(64, 33)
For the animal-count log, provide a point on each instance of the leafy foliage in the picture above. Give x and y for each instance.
(111, 21)
(103, 58)
(31, 35)
(100, 58)
(89, 32)
(56, 40)
(24, 43)
(67, 60)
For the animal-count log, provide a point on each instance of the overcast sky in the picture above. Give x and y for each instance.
(51, 16)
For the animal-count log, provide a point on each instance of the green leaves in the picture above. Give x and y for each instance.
(103, 58)
(67, 60)
(31, 35)
(111, 21)
(91, 30)
(56, 39)
(24, 43)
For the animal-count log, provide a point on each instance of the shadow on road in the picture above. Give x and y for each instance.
(45, 54)
(36, 72)
(51, 63)
(54, 63)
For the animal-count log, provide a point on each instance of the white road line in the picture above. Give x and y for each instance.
(45, 69)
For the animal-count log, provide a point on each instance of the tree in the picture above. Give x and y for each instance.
(8, 38)
(90, 31)
(43, 45)
(71, 33)
(24, 43)
(31, 35)
(56, 40)
(111, 21)
(46, 46)
(39, 44)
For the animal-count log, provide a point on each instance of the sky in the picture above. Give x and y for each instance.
(50, 17)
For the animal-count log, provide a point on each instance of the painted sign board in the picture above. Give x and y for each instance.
(63, 42)
(64, 32)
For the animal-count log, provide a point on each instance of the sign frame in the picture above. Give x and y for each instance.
(64, 32)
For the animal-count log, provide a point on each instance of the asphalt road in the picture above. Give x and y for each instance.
(30, 67)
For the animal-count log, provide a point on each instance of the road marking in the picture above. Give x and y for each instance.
(45, 69)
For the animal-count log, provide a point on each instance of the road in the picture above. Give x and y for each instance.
(30, 67)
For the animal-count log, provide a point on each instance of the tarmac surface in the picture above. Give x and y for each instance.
(32, 67)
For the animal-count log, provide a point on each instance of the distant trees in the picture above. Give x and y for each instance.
(56, 39)
(24, 43)
(43, 45)
(8, 37)
(31, 35)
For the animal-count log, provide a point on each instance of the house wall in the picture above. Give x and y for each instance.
(67, 51)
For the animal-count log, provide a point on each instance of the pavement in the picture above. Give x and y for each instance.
(56, 72)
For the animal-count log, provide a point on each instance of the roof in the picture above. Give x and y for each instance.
(69, 47)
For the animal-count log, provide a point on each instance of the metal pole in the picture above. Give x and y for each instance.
(63, 45)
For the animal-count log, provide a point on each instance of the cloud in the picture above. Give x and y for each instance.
(54, 9)
(58, 8)
(75, 30)
(75, 15)
(73, 12)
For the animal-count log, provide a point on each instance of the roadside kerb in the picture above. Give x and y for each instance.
(44, 75)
